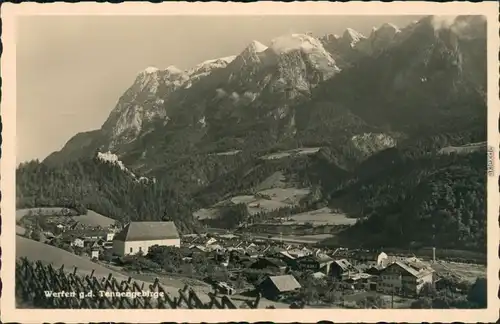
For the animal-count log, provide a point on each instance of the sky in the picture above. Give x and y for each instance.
(71, 70)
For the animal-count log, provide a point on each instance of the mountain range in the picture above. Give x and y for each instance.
(379, 108)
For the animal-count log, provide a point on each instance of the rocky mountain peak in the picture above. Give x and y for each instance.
(387, 30)
(256, 46)
(352, 37)
(253, 52)
(296, 42)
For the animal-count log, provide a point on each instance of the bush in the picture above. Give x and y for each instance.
(478, 293)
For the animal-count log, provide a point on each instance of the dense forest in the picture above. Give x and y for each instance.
(103, 188)
(428, 201)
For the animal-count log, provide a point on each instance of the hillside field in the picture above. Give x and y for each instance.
(34, 250)
(323, 216)
(284, 154)
(90, 219)
(94, 219)
(263, 201)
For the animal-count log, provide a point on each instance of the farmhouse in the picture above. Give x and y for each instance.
(140, 236)
(269, 263)
(342, 269)
(274, 287)
(315, 263)
(405, 277)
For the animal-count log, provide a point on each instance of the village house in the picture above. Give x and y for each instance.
(95, 251)
(299, 253)
(405, 277)
(342, 269)
(363, 257)
(235, 254)
(215, 248)
(362, 281)
(314, 263)
(252, 252)
(286, 257)
(229, 236)
(110, 236)
(224, 288)
(318, 275)
(85, 234)
(107, 245)
(79, 242)
(221, 257)
(275, 265)
(210, 241)
(140, 236)
(196, 249)
(276, 287)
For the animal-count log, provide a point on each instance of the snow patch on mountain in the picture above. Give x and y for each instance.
(287, 43)
(313, 49)
(352, 36)
(386, 27)
(174, 70)
(257, 46)
(207, 67)
(150, 69)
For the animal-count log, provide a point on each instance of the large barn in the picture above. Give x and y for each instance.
(140, 236)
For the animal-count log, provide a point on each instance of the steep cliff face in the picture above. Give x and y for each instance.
(299, 89)
(142, 103)
(429, 74)
(234, 99)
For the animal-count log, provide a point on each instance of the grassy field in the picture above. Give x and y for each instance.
(94, 219)
(468, 272)
(323, 216)
(91, 218)
(283, 154)
(271, 199)
(464, 149)
(47, 254)
(265, 205)
(45, 211)
(275, 180)
(304, 239)
(245, 199)
(34, 250)
(264, 201)
(20, 230)
(227, 153)
(206, 213)
(290, 196)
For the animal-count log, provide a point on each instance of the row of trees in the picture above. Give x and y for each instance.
(475, 296)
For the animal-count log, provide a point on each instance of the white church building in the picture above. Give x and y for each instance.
(140, 236)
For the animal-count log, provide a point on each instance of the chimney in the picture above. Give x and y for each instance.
(433, 254)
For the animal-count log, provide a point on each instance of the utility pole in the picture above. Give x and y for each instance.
(392, 298)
